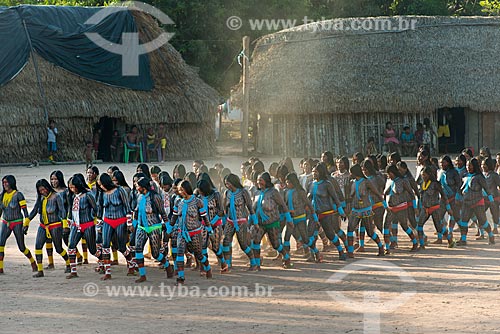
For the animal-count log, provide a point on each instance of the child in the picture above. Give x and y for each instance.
(88, 154)
(407, 142)
(151, 143)
(162, 139)
(371, 149)
(51, 139)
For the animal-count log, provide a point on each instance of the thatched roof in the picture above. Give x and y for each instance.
(179, 98)
(445, 61)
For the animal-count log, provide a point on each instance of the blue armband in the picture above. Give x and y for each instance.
(448, 207)
(490, 198)
(252, 219)
(224, 221)
(214, 220)
(414, 202)
(209, 229)
(315, 217)
(341, 211)
(169, 228)
(343, 204)
(384, 203)
(288, 217)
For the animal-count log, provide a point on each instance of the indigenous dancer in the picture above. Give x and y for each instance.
(149, 215)
(433, 200)
(213, 207)
(81, 218)
(115, 213)
(413, 212)
(493, 183)
(192, 219)
(53, 223)
(473, 202)
(378, 181)
(397, 193)
(268, 206)
(361, 191)
(15, 219)
(325, 201)
(238, 209)
(300, 208)
(451, 182)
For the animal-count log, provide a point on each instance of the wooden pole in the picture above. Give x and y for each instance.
(246, 97)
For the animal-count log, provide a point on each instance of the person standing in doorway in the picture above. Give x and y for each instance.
(51, 139)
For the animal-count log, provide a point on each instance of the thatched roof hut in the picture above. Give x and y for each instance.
(317, 88)
(179, 99)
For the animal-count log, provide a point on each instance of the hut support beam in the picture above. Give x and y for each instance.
(246, 99)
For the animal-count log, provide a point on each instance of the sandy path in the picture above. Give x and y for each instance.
(455, 291)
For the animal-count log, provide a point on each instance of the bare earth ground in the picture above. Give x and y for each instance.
(455, 290)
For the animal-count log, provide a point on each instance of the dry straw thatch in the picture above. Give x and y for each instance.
(445, 61)
(180, 99)
(316, 87)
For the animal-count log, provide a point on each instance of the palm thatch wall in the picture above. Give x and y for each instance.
(316, 88)
(180, 100)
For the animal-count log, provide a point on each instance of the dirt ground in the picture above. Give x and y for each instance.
(447, 290)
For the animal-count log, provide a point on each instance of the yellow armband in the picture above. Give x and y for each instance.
(26, 221)
(65, 223)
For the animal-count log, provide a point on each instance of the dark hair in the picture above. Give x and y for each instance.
(345, 160)
(60, 178)
(373, 159)
(45, 184)
(462, 158)
(177, 181)
(205, 187)
(329, 157)
(294, 180)
(80, 185)
(179, 168)
(429, 171)
(206, 177)
(490, 163)
(191, 177)
(371, 140)
(448, 160)
(106, 181)
(322, 171)
(387, 123)
(155, 170)
(359, 157)
(403, 164)
(113, 168)
(475, 164)
(214, 175)
(145, 183)
(118, 175)
(368, 164)
(394, 156)
(11, 180)
(258, 166)
(186, 185)
(273, 168)
(82, 178)
(165, 179)
(282, 171)
(267, 179)
(383, 162)
(289, 164)
(203, 169)
(487, 150)
(356, 171)
(145, 170)
(468, 151)
(94, 169)
(394, 170)
(199, 162)
(234, 180)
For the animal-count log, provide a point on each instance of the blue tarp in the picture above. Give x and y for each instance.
(58, 35)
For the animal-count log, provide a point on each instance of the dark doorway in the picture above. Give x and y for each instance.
(454, 118)
(103, 134)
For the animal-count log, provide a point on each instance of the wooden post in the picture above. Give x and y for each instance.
(246, 97)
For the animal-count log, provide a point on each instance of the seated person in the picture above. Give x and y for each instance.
(132, 141)
(408, 143)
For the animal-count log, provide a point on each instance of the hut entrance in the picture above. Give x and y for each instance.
(454, 118)
(103, 136)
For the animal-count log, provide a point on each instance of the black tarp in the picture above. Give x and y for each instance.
(57, 34)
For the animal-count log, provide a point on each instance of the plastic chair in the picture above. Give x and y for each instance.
(127, 150)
